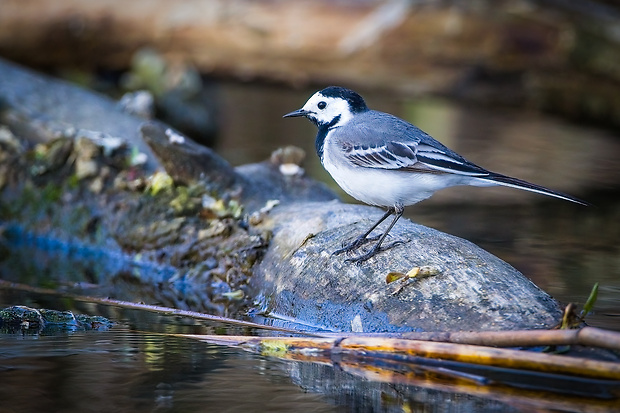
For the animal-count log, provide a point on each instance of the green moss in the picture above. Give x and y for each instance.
(73, 182)
(51, 193)
(159, 182)
(185, 202)
(275, 348)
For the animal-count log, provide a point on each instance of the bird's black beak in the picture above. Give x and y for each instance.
(296, 113)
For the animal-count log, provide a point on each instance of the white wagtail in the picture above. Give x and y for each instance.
(382, 160)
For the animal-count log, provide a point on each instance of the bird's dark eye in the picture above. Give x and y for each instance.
(321, 105)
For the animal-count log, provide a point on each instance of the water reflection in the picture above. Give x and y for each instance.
(130, 369)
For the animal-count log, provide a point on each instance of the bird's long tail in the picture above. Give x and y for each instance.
(527, 186)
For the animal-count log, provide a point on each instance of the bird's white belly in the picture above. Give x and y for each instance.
(385, 187)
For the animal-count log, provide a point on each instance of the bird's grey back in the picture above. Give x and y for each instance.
(374, 128)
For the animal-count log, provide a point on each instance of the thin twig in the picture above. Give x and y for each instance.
(145, 307)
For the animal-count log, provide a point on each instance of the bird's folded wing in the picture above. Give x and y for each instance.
(412, 157)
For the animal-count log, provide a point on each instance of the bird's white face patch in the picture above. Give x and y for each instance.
(323, 109)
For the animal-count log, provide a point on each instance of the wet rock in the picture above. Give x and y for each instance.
(254, 184)
(48, 158)
(266, 182)
(85, 164)
(24, 319)
(40, 108)
(300, 280)
(20, 318)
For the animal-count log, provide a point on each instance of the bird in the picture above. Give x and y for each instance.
(383, 160)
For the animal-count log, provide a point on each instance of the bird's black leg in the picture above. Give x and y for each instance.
(363, 239)
(398, 212)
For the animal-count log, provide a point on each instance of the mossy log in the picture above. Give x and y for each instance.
(182, 214)
(195, 222)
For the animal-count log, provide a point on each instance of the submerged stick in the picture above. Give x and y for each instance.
(360, 346)
(586, 336)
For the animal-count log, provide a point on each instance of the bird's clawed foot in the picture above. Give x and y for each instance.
(355, 244)
(397, 210)
(373, 251)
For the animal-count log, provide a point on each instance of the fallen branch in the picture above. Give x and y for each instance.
(409, 351)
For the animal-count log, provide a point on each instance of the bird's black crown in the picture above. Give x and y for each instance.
(356, 102)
